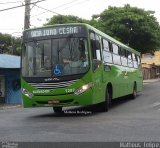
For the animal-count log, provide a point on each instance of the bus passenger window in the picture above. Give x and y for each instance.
(105, 45)
(107, 55)
(96, 50)
(123, 57)
(130, 62)
(116, 56)
(115, 49)
(95, 45)
(139, 61)
(135, 64)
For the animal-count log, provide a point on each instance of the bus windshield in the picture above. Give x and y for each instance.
(55, 57)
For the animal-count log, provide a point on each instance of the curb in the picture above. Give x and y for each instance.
(150, 81)
(4, 107)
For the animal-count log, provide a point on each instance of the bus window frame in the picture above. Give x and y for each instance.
(107, 51)
(95, 61)
(130, 58)
(124, 56)
(134, 60)
(116, 54)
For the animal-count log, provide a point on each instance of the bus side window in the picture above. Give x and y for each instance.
(139, 61)
(107, 55)
(96, 50)
(116, 56)
(138, 58)
(130, 62)
(123, 57)
(135, 63)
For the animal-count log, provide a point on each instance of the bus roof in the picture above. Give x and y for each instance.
(95, 30)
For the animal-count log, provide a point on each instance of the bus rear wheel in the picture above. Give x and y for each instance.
(57, 110)
(134, 93)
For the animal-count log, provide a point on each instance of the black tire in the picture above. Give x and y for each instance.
(57, 110)
(105, 105)
(134, 93)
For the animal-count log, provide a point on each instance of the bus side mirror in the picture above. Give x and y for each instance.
(107, 68)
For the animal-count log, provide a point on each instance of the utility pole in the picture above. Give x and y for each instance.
(27, 14)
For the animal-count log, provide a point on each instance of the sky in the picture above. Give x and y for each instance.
(12, 21)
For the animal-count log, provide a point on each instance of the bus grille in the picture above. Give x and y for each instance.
(53, 85)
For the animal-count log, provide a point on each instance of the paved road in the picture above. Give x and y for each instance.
(127, 120)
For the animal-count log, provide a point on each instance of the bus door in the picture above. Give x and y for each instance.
(96, 67)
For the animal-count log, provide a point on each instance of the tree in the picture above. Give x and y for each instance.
(9, 44)
(62, 19)
(133, 26)
(5, 42)
(16, 45)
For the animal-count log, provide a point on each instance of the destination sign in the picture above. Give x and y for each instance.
(42, 32)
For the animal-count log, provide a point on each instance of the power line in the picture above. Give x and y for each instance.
(9, 29)
(10, 2)
(62, 6)
(75, 5)
(54, 8)
(48, 10)
(21, 5)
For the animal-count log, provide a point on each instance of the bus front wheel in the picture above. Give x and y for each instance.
(105, 105)
(57, 109)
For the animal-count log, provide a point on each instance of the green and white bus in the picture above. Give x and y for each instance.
(76, 65)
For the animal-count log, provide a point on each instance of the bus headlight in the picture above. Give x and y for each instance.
(83, 88)
(27, 93)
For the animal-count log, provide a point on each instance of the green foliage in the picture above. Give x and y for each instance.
(133, 26)
(8, 44)
(62, 19)
(18, 50)
(17, 45)
(5, 42)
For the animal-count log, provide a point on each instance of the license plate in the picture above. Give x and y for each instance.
(53, 102)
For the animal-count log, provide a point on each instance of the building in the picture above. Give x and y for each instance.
(10, 89)
(151, 65)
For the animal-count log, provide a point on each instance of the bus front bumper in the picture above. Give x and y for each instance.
(83, 99)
